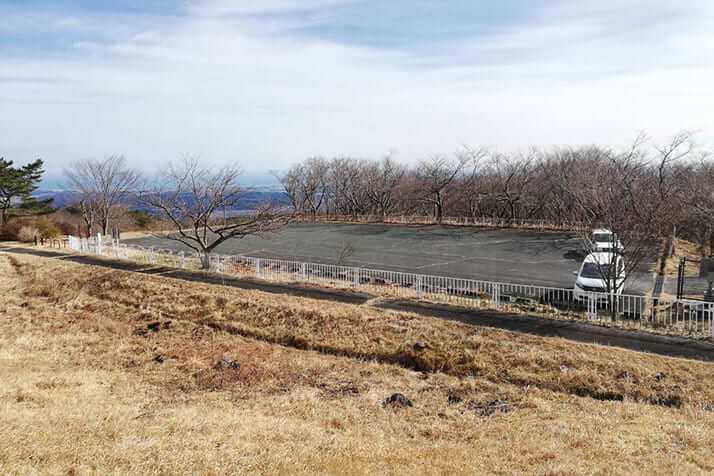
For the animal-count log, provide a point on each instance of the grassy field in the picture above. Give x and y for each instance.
(110, 371)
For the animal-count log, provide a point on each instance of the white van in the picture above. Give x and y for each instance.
(594, 273)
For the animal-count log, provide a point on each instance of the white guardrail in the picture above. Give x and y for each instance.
(539, 224)
(666, 315)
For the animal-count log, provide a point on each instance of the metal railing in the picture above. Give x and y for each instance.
(539, 224)
(664, 315)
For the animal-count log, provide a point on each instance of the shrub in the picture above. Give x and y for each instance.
(27, 233)
(25, 229)
(141, 218)
(66, 228)
(10, 231)
(48, 229)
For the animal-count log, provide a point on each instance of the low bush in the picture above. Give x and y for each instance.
(27, 233)
(10, 231)
(26, 229)
(66, 228)
(48, 229)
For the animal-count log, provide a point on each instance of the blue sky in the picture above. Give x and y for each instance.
(267, 83)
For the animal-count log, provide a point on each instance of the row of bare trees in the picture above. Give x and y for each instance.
(194, 200)
(345, 186)
(644, 189)
(641, 193)
(472, 183)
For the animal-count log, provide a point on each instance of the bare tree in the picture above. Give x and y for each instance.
(291, 182)
(512, 176)
(314, 185)
(630, 194)
(101, 185)
(698, 200)
(89, 215)
(382, 185)
(346, 186)
(305, 185)
(435, 176)
(471, 189)
(192, 197)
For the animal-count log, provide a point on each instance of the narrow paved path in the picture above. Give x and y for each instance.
(575, 331)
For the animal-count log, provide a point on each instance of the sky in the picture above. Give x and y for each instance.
(266, 83)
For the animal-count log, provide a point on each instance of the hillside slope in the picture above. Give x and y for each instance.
(113, 371)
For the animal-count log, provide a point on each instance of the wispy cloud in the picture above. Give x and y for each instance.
(267, 83)
(223, 8)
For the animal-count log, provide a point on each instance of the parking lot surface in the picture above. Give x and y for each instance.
(513, 256)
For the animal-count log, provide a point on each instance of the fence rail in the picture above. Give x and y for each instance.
(664, 315)
(447, 220)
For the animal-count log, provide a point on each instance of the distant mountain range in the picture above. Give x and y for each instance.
(251, 200)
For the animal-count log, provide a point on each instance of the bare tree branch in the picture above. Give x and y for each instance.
(100, 186)
(191, 196)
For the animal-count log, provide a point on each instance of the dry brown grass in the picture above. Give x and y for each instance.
(112, 371)
(683, 249)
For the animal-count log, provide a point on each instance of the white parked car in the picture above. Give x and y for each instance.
(603, 239)
(596, 270)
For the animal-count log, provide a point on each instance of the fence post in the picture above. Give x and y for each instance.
(303, 272)
(592, 307)
(496, 296)
(419, 286)
(257, 267)
(217, 267)
(182, 260)
(151, 255)
(355, 273)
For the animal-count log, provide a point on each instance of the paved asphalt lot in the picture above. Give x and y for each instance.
(524, 257)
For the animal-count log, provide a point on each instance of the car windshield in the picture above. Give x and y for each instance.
(602, 237)
(594, 270)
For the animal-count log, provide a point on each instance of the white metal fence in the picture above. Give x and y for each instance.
(539, 224)
(666, 315)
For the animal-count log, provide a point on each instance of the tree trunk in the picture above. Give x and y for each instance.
(90, 225)
(205, 259)
(3, 220)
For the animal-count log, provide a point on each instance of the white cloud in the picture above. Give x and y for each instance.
(223, 89)
(221, 8)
